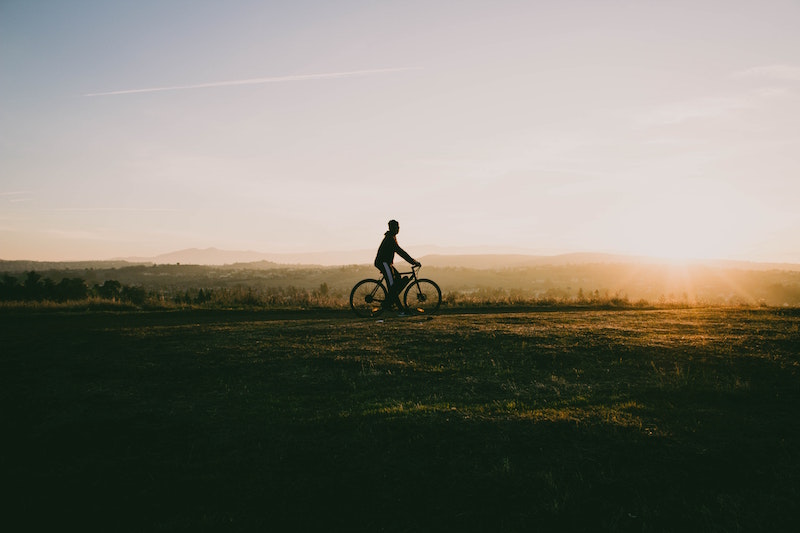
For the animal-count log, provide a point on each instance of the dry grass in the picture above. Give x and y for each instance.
(634, 420)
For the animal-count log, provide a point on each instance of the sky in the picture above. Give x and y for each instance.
(648, 127)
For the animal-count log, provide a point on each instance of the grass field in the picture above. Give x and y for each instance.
(581, 420)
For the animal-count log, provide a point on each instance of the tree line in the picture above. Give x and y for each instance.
(34, 288)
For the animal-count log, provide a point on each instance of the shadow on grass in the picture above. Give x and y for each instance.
(418, 472)
(581, 423)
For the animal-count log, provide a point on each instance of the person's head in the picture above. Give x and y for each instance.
(394, 227)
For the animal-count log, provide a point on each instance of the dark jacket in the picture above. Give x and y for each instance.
(388, 248)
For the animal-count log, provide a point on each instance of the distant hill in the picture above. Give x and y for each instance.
(441, 257)
(501, 261)
(208, 256)
(215, 256)
(39, 266)
(484, 278)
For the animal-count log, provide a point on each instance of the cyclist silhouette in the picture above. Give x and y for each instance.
(384, 262)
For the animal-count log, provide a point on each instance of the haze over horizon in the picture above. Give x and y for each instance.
(643, 128)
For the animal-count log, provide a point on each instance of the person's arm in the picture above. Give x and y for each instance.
(405, 254)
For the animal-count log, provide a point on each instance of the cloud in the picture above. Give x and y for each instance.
(770, 72)
(256, 81)
(719, 106)
(677, 112)
(75, 235)
(16, 197)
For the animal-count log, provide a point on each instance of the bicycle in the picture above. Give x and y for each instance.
(422, 296)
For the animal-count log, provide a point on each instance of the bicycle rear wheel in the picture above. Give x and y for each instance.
(423, 297)
(367, 298)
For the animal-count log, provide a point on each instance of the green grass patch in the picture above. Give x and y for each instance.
(579, 420)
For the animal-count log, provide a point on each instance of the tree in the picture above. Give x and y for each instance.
(33, 286)
(10, 288)
(109, 290)
(71, 289)
(135, 295)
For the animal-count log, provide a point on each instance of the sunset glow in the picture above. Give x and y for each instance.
(650, 128)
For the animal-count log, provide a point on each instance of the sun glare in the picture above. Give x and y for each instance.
(681, 231)
(676, 241)
(689, 220)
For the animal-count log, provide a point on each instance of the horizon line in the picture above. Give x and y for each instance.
(277, 255)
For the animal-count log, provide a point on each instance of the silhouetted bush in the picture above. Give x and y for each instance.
(10, 289)
(71, 289)
(329, 288)
(134, 295)
(37, 289)
(34, 287)
(110, 289)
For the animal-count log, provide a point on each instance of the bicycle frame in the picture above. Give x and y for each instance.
(370, 297)
(382, 279)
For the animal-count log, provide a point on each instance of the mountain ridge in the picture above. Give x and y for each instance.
(436, 256)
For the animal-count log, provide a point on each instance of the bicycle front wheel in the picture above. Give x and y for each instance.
(367, 298)
(423, 297)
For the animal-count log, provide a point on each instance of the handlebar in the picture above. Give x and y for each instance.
(414, 269)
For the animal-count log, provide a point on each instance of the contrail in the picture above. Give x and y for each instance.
(114, 209)
(254, 81)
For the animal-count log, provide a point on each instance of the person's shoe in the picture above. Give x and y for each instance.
(401, 314)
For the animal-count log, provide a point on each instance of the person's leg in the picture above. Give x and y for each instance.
(396, 288)
(392, 277)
